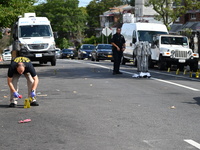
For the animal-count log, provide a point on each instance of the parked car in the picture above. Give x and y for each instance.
(68, 53)
(58, 53)
(6, 56)
(85, 51)
(102, 52)
(6, 50)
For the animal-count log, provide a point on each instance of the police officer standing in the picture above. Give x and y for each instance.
(118, 43)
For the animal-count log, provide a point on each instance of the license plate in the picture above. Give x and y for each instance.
(181, 60)
(38, 55)
(109, 55)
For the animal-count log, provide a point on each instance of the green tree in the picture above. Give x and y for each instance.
(131, 2)
(9, 12)
(66, 17)
(11, 9)
(165, 10)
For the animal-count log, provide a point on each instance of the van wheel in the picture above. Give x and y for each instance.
(53, 61)
(41, 62)
(181, 67)
(135, 61)
(194, 67)
(124, 61)
(92, 58)
(161, 64)
(168, 65)
(151, 64)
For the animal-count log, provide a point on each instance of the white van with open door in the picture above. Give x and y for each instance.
(135, 32)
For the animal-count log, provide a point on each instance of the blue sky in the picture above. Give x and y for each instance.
(82, 3)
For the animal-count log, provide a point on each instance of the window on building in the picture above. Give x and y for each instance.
(178, 19)
(192, 16)
(111, 18)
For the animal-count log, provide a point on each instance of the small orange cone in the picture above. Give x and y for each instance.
(1, 58)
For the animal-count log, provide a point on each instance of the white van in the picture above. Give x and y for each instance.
(33, 38)
(135, 32)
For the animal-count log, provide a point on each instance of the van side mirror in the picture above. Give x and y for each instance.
(134, 40)
(55, 34)
(153, 46)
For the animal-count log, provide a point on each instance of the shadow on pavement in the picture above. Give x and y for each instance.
(197, 99)
(4, 106)
(196, 102)
(7, 106)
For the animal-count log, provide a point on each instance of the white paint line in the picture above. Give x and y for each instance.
(180, 85)
(148, 143)
(172, 83)
(98, 65)
(172, 75)
(193, 143)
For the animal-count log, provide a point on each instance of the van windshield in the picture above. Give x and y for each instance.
(148, 35)
(35, 31)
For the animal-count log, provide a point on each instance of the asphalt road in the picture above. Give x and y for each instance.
(84, 107)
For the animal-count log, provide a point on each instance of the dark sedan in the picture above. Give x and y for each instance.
(85, 51)
(102, 52)
(68, 53)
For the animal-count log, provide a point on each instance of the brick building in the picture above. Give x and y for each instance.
(190, 20)
(113, 17)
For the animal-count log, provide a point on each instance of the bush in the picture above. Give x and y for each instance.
(63, 43)
(96, 40)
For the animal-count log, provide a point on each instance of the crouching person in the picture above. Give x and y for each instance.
(19, 66)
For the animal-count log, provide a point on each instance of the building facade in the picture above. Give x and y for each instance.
(114, 16)
(190, 20)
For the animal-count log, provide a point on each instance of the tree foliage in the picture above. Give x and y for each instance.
(169, 10)
(97, 8)
(4, 42)
(131, 2)
(66, 17)
(11, 9)
(9, 12)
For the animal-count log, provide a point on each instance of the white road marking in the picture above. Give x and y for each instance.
(160, 80)
(148, 143)
(180, 85)
(172, 75)
(193, 143)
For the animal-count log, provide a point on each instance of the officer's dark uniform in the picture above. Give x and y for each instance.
(119, 40)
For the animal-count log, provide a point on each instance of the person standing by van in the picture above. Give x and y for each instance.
(118, 43)
(19, 66)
